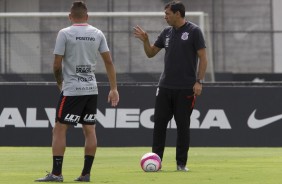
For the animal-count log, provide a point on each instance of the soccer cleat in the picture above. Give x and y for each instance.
(85, 178)
(51, 178)
(182, 168)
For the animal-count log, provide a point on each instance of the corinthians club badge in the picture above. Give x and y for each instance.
(185, 36)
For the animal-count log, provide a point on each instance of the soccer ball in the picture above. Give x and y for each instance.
(151, 162)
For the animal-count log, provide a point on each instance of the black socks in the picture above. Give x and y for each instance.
(88, 161)
(57, 165)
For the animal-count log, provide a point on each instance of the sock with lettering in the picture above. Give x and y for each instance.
(88, 161)
(57, 165)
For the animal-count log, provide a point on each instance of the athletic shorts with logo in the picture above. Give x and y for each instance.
(77, 109)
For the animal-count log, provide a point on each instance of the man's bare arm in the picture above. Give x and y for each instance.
(57, 70)
(113, 96)
(149, 49)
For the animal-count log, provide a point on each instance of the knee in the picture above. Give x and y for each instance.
(88, 130)
(59, 128)
(162, 118)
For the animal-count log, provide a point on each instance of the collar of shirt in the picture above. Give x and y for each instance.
(81, 24)
(180, 29)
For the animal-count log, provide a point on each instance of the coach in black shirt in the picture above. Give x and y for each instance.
(181, 80)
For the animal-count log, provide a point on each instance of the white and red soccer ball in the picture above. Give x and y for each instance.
(151, 162)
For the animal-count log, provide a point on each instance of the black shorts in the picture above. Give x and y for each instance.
(77, 109)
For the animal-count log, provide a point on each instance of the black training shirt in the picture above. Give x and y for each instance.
(180, 62)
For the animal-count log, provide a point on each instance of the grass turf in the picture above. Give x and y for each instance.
(22, 165)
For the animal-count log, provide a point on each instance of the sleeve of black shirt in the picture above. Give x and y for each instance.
(160, 42)
(199, 39)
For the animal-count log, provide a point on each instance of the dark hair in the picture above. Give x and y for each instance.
(78, 9)
(176, 6)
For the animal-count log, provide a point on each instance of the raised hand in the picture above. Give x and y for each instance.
(140, 33)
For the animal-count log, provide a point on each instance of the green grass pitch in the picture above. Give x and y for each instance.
(22, 165)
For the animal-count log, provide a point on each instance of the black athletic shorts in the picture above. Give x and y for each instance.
(77, 109)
